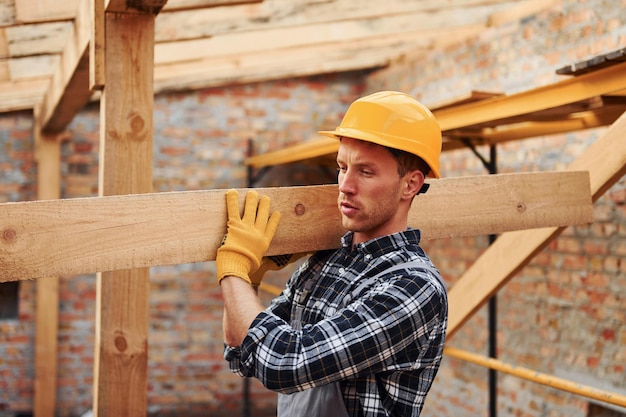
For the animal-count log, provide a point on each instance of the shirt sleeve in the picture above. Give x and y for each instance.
(280, 308)
(391, 327)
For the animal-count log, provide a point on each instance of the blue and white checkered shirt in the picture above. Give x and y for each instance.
(384, 344)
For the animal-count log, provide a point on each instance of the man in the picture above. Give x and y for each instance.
(357, 331)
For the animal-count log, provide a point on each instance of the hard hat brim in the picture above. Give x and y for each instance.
(377, 139)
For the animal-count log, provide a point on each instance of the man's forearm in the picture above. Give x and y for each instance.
(241, 306)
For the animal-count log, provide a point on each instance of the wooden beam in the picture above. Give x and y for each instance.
(123, 232)
(48, 156)
(605, 160)
(122, 317)
(69, 87)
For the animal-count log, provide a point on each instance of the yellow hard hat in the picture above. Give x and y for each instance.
(394, 120)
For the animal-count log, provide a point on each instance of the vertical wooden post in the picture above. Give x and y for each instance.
(48, 156)
(121, 356)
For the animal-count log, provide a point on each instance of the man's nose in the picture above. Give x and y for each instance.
(346, 182)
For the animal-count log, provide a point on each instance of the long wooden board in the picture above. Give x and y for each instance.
(84, 235)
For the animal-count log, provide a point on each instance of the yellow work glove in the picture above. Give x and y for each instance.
(274, 263)
(247, 238)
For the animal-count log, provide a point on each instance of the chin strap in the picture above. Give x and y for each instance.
(424, 188)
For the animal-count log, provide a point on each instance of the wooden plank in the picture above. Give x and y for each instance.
(121, 350)
(69, 88)
(44, 10)
(298, 14)
(282, 63)
(22, 95)
(234, 42)
(48, 155)
(7, 13)
(605, 160)
(35, 39)
(31, 67)
(519, 10)
(122, 232)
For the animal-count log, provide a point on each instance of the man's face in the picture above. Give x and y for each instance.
(370, 190)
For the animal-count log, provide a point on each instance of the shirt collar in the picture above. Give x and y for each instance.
(382, 244)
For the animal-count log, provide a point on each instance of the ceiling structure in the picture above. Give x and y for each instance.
(211, 43)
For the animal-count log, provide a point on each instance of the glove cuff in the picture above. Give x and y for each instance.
(233, 264)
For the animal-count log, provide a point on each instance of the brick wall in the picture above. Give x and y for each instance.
(563, 314)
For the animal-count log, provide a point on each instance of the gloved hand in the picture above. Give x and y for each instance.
(247, 238)
(274, 263)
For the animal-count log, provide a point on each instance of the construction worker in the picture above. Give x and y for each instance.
(357, 331)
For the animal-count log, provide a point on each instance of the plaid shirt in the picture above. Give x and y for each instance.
(384, 345)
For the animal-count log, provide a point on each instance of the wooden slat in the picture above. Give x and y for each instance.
(22, 95)
(605, 160)
(299, 15)
(35, 39)
(44, 10)
(236, 42)
(122, 322)
(123, 232)
(283, 63)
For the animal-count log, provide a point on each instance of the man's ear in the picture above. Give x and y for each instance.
(413, 181)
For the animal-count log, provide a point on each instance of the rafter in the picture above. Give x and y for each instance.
(230, 38)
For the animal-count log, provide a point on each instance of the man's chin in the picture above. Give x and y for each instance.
(349, 224)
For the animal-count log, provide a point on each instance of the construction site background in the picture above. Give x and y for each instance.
(563, 314)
